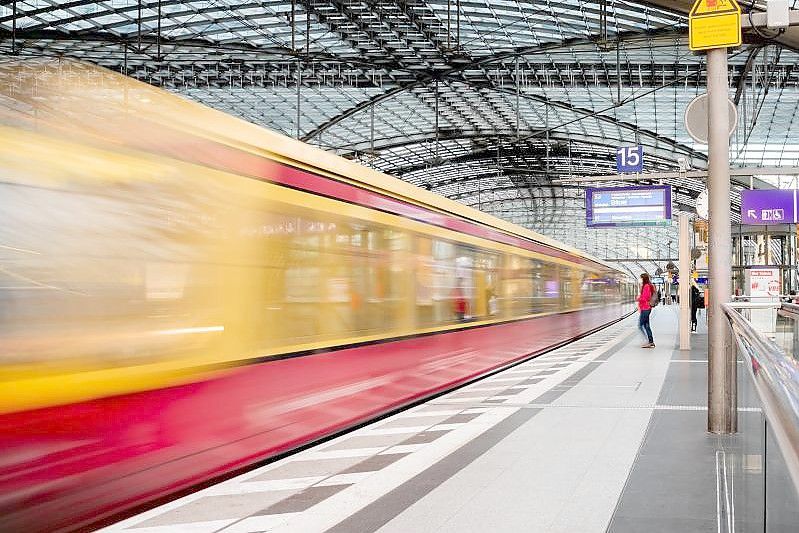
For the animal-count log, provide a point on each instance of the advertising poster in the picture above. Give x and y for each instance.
(763, 286)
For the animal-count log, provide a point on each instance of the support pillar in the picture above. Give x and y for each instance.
(685, 281)
(722, 400)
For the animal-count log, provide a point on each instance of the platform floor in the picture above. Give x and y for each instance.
(600, 435)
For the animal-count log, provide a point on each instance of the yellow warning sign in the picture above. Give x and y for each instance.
(714, 7)
(714, 24)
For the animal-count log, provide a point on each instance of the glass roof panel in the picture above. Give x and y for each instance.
(469, 98)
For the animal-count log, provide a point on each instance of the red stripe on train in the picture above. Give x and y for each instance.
(69, 466)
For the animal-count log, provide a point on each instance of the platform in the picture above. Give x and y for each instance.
(599, 435)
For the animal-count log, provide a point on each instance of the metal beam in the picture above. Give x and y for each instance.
(461, 66)
(695, 174)
(132, 41)
(750, 61)
(636, 259)
(597, 114)
(488, 152)
(505, 139)
(577, 205)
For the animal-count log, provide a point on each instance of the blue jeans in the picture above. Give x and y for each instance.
(643, 325)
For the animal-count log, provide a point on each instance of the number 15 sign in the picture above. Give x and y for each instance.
(630, 159)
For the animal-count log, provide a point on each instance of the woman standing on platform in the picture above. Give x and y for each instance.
(695, 297)
(645, 306)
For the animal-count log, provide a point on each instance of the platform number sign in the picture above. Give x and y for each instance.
(630, 159)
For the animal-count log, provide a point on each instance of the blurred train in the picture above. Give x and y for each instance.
(183, 294)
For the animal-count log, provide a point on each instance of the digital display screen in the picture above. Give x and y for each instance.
(628, 206)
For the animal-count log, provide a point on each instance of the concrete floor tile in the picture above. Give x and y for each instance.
(257, 524)
(303, 500)
(207, 508)
(410, 421)
(375, 463)
(197, 527)
(369, 441)
(300, 469)
(425, 437)
(462, 418)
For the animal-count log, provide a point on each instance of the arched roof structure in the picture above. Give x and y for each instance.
(498, 104)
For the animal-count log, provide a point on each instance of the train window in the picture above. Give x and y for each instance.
(592, 288)
(546, 288)
(517, 285)
(352, 298)
(380, 308)
(569, 297)
(399, 281)
(305, 281)
(424, 268)
(463, 296)
(327, 278)
(486, 285)
(444, 281)
(454, 282)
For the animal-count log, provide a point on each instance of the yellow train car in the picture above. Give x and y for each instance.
(184, 293)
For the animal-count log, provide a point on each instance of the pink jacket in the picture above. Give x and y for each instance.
(644, 297)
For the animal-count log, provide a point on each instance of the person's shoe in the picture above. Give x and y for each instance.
(647, 345)
(650, 345)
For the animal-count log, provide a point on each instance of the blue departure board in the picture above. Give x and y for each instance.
(628, 206)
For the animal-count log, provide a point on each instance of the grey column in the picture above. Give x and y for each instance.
(721, 358)
(685, 282)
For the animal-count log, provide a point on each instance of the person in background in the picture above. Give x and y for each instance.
(493, 304)
(648, 293)
(459, 304)
(695, 297)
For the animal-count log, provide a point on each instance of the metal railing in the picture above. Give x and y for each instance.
(789, 310)
(775, 376)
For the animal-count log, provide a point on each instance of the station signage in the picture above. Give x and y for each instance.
(630, 159)
(765, 207)
(628, 206)
(714, 24)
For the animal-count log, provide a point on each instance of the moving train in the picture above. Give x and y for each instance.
(183, 294)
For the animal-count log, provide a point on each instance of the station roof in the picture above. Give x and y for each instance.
(498, 104)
